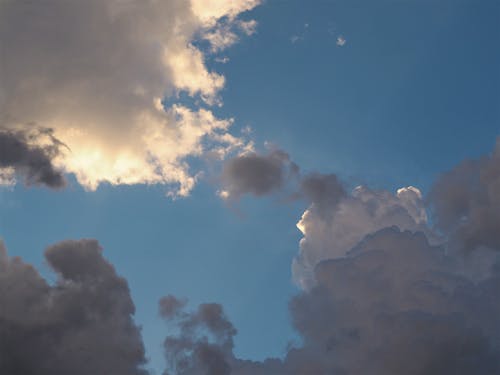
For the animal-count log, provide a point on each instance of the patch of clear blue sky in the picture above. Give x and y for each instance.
(415, 89)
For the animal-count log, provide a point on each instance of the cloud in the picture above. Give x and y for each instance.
(299, 37)
(82, 324)
(335, 221)
(393, 305)
(225, 35)
(385, 301)
(96, 72)
(203, 343)
(341, 41)
(222, 60)
(385, 290)
(30, 155)
(256, 174)
(466, 203)
(323, 191)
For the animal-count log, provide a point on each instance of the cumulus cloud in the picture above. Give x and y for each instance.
(30, 155)
(395, 304)
(96, 72)
(256, 174)
(385, 290)
(384, 296)
(336, 221)
(82, 324)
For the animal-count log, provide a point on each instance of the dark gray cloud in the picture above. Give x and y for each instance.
(394, 305)
(466, 203)
(81, 325)
(256, 174)
(33, 162)
(171, 307)
(264, 174)
(323, 190)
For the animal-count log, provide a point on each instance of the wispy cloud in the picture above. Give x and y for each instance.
(301, 35)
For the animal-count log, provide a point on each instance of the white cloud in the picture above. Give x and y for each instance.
(96, 71)
(248, 27)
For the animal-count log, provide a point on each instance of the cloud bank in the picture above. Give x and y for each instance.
(95, 72)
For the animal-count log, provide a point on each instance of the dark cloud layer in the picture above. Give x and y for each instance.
(81, 325)
(34, 163)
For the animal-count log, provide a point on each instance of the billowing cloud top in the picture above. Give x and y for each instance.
(96, 72)
(335, 222)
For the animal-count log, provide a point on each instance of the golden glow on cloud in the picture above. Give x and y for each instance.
(100, 88)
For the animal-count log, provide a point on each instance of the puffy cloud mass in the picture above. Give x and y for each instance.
(385, 296)
(81, 325)
(386, 292)
(95, 72)
(395, 304)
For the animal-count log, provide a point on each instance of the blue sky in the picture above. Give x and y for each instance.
(414, 90)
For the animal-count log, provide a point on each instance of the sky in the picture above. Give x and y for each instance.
(239, 164)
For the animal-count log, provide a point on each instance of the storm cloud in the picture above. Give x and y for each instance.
(80, 325)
